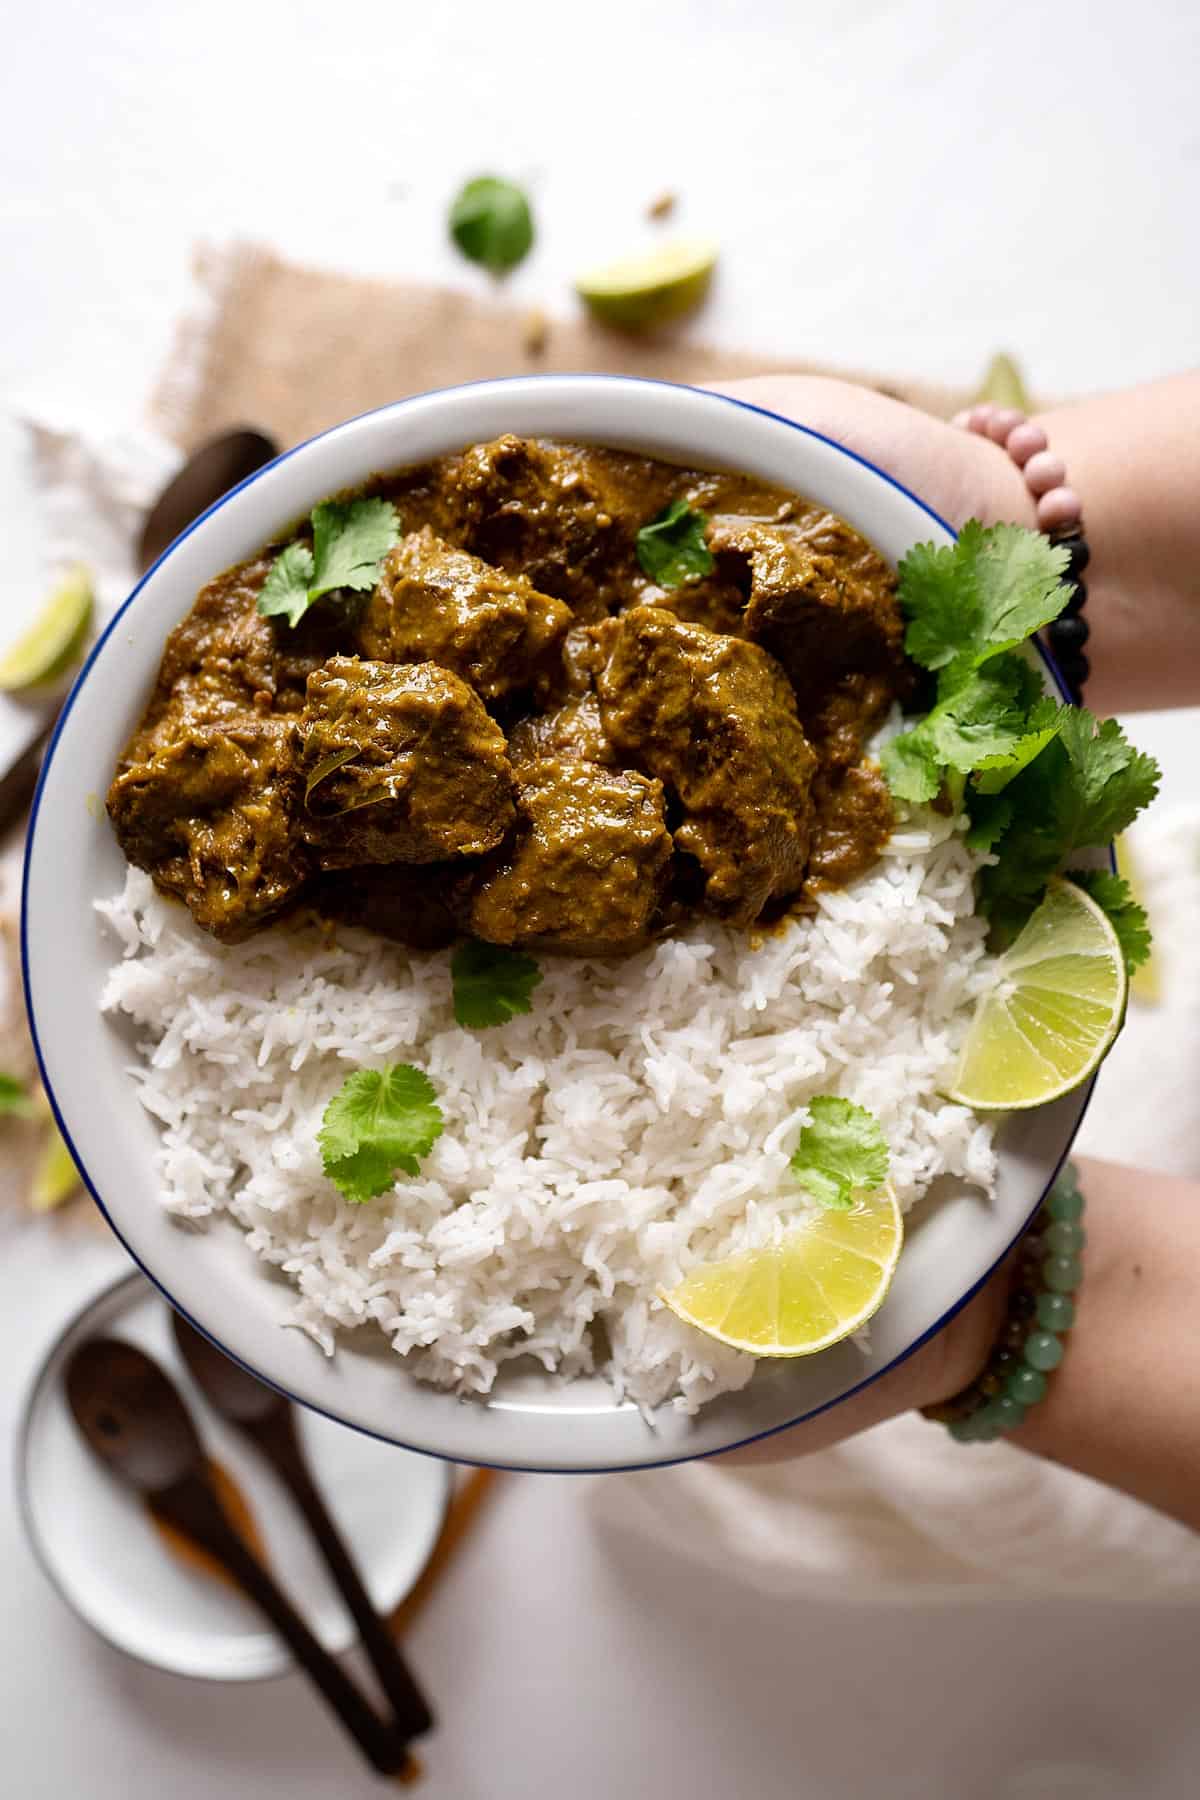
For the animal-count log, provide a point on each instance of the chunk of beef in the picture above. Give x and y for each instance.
(211, 815)
(564, 515)
(587, 868)
(408, 904)
(438, 604)
(400, 764)
(715, 719)
(574, 731)
(822, 614)
(852, 711)
(853, 822)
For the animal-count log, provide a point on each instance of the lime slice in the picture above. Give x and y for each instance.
(646, 290)
(821, 1281)
(55, 1178)
(54, 642)
(1053, 1013)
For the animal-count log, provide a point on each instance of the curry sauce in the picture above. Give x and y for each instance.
(517, 734)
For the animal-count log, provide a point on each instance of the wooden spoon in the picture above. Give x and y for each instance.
(135, 1420)
(269, 1421)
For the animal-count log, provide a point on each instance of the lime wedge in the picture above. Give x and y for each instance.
(1056, 1006)
(661, 284)
(54, 642)
(55, 1178)
(821, 1281)
(1004, 385)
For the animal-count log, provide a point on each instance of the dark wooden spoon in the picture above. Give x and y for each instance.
(269, 1422)
(207, 474)
(135, 1420)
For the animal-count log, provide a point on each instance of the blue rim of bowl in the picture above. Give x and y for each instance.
(815, 1412)
(105, 1298)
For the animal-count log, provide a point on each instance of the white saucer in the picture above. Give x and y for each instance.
(100, 1550)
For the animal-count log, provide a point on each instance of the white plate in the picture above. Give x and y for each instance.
(531, 1421)
(95, 1541)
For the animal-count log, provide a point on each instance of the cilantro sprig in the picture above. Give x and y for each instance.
(379, 1121)
(841, 1152)
(1039, 781)
(491, 984)
(671, 548)
(1114, 896)
(350, 540)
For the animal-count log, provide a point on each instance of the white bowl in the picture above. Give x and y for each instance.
(73, 859)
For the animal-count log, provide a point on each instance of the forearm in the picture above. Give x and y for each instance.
(1134, 460)
(1124, 1405)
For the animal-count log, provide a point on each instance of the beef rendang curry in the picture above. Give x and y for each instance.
(517, 733)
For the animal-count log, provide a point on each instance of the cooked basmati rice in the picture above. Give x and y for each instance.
(639, 1119)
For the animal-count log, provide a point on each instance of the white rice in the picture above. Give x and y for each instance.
(638, 1120)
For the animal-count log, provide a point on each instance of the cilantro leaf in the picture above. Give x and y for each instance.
(993, 773)
(982, 720)
(842, 1151)
(491, 223)
(350, 540)
(671, 548)
(911, 767)
(491, 984)
(1113, 896)
(14, 1100)
(285, 591)
(990, 815)
(969, 601)
(1085, 787)
(380, 1120)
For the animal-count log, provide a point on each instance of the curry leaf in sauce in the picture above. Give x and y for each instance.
(671, 548)
(842, 1152)
(350, 540)
(491, 223)
(491, 984)
(379, 1121)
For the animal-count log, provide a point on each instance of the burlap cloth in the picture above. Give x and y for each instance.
(293, 350)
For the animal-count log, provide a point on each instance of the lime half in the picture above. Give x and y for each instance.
(1054, 1011)
(54, 642)
(821, 1281)
(642, 291)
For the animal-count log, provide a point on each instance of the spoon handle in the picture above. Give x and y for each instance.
(277, 1440)
(192, 1507)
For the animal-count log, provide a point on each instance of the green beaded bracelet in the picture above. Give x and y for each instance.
(1040, 1310)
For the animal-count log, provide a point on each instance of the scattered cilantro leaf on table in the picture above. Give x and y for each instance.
(1127, 917)
(491, 984)
(379, 1121)
(841, 1151)
(671, 548)
(350, 540)
(14, 1099)
(491, 222)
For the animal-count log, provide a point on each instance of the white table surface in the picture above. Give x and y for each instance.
(903, 185)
